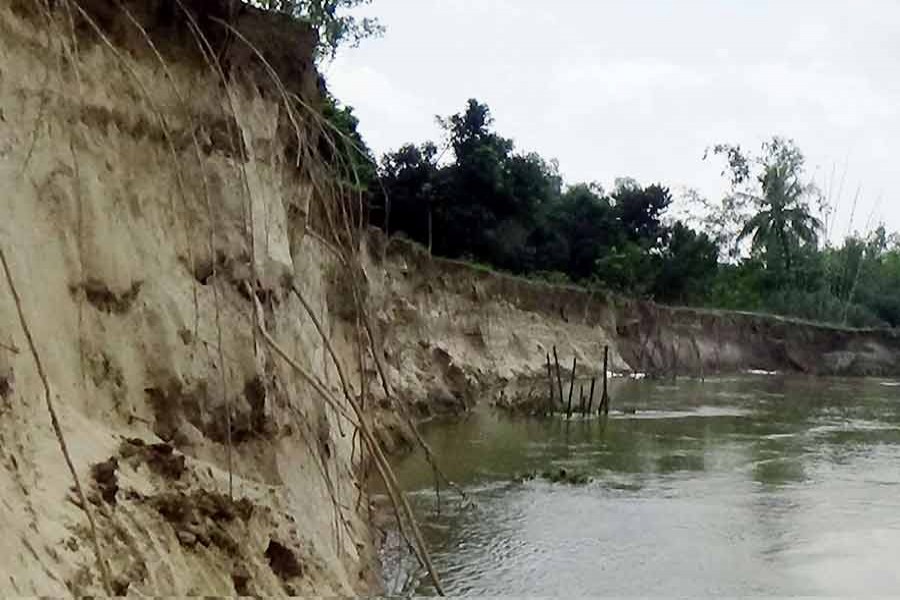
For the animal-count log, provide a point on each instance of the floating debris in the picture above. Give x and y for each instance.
(560, 475)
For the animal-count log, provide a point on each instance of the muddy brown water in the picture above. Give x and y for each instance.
(754, 485)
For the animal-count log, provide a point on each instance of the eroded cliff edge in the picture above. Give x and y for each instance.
(457, 333)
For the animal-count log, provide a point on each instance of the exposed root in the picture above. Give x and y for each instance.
(382, 374)
(212, 234)
(381, 463)
(57, 429)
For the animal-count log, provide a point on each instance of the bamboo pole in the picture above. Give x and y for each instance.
(571, 387)
(558, 376)
(590, 405)
(604, 398)
(674, 360)
(551, 402)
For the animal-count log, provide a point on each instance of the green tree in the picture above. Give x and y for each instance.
(488, 203)
(585, 222)
(639, 211)
(345, 147)
(331, 19)
(883, 293)
(405, 196)
(864, 274)
(688, 264)
(782, 220)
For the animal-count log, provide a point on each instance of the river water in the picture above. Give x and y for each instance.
(756, 485)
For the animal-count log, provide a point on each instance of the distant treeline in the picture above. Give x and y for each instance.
(472, 196)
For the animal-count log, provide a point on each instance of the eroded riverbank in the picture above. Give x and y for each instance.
(175, 226)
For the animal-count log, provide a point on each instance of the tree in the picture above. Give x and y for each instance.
(883, 292)
(488, 203)
(782, 219)
(408, 179)
(330, 19)
(474, 188)
(639, 210)
(345, 148)
(783, 222)
(585, 221)
(689, 263)
(864, 274)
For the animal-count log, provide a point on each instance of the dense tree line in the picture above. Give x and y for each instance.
(476, 198)
(511, 210)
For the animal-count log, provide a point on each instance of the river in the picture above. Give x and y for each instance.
(753, 485)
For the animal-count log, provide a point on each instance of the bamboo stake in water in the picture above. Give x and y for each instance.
(581, 399)
(674, 359)
(604, 399)
(571, 387)
(558, 376)
(591, 396)
(551, 402)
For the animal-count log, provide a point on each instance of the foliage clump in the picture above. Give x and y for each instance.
(332, 20)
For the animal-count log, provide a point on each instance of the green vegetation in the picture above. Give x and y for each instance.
(345, 149)
(331, 20)
(759, 249)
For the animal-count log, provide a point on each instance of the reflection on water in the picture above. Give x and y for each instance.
(753, 485)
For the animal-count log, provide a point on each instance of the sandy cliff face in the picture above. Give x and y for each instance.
(132, 187)
(455, 334)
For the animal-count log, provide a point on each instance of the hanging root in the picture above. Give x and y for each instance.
(57, 429)
(384, 469)
(385, 384)
(212, 229)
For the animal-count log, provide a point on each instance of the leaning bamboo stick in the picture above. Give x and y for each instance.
(591, 398)
(571, 387)
(550, 400)
(558, 377)
(581, 399)
(604, 398)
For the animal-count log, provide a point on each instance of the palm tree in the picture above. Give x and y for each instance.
(783, 221)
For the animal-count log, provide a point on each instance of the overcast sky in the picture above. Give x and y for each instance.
(641, 87)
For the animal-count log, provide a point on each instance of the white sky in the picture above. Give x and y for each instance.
(641, 87)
